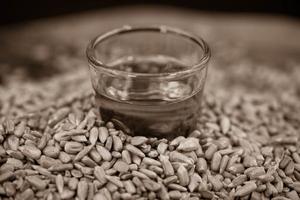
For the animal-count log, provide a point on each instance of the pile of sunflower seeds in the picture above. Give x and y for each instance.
(245, 147)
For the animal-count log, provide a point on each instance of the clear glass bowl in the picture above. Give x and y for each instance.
(149, 80)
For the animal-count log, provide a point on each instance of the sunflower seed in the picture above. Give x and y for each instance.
(105, 154)
(174, 186)
(162, 147)
(60, 167)
(289, 169)
(6, 176)
(126, 156)
(82, 190)
(293, 195)
(210, 151)
(83, 152)
(31, 151)
(284, 162)
(58, 116)
(246, 189)
(138, 140)
(67, 194)
(238, 181)
(115, 180)
(170, 179)
(121, 166)
(216, 183)
(132, 149)
(150, 161)
(255, 172)
(59, 181)
(129, 187)
(26, 195)
(166, 164)
(148, 173)
(99, 196)
(151, 185)
(216, 161)
(95, 155)
(36, 182)
(103, 134)
(195, 179)
(109, 143)
(64, 157)
(99, 173)
(183, 176)
(9, 189)
(139, 175)
(189, 144)
(51, 151)
(20, 128)
(174, 194)
(117, 143)
(201, 165)
(225, 124)
(94, 134)
(163, 193)
(73, 147)
(179, 157)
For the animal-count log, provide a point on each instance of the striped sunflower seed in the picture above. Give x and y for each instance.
(73, 147)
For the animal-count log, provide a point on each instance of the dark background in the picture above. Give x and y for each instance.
(17, 11)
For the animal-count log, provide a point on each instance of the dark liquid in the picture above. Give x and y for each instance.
(151, 109)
